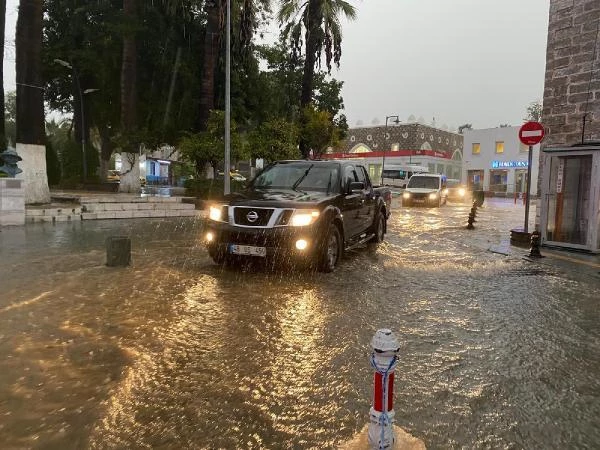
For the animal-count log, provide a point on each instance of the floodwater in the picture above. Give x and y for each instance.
(175, 352)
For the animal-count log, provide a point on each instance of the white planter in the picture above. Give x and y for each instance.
(12, 201)
(34, 172)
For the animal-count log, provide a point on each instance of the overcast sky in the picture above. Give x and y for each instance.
(460, 61)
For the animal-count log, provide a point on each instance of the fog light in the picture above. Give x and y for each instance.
(209, 237)
(301, 244)
(406, 195)
(432, 196)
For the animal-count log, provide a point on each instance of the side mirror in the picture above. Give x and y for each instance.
(356, 187)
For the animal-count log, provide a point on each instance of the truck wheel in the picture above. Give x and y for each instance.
(378, 228)
(331, 250)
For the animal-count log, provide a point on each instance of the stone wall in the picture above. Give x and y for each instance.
(34, 172)
(406, 136)
(12, 202)
(572, 84)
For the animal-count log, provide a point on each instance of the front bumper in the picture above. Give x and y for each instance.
(279, 242)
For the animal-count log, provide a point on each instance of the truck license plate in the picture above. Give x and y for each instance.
(247, 250)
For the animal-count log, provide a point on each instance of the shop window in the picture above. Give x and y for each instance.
(499, 146)
(476, 148)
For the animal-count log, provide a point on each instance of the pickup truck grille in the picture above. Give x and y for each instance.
(252, 217)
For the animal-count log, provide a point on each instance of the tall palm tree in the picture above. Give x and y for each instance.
(30, 93)
(129, 69)
(320, 21)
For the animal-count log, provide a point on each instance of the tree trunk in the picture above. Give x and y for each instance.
(211, 55)
(312, 29)
(2, 23)
(129, 71)
(30, 92)
(106, 150)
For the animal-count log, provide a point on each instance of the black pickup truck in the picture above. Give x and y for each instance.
(300, 211)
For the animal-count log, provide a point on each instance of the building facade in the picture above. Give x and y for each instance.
(414, 143)
(569, 209)
(495, 160)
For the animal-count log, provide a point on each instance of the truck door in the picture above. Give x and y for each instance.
(367, 212)
(352, 204)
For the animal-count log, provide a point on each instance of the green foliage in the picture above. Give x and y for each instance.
(208, 147)
(534, 111)
(10, 117)
(210, 189)
(319, 130)
(52, 164)
(274, 140)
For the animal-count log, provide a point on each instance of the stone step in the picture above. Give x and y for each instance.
(53, 214)
(133, 214)
(93, 207)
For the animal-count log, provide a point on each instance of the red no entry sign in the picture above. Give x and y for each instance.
(531, 133)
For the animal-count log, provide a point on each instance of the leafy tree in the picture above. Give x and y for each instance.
(466, 126)
(274, 140)
(321, 22)
(208, 147)
(10, 117)
(534, 111)
(320, 131)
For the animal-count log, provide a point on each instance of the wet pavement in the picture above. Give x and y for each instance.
(175, 352)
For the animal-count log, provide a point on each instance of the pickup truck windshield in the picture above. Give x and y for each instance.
(424, 182)
(302, 176)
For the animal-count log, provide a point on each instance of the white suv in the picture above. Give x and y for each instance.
(426, 190)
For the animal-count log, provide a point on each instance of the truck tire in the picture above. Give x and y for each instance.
(378, 228)
(331, 250)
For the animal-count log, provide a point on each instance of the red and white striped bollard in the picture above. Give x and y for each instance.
(383, 359)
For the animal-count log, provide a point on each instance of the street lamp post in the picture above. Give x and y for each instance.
(226, 165)
(81, 94)
(396, 121)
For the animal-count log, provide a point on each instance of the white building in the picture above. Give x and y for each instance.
(496, 161)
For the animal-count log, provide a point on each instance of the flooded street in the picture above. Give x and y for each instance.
(176, 352)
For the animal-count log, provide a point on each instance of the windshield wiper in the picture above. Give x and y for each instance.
(299, 180)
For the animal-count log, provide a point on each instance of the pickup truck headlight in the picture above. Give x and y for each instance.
(218, 213)
(433, 196)
(304, 218)
(462, 192)
(406, 195)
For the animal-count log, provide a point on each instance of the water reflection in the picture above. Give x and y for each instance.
(176, 352)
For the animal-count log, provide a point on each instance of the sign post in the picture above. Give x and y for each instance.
(530, 133)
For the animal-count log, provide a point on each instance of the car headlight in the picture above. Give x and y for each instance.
(406, 195)
(433, 196)
(304, 218)
(462, 192)
(218, 213)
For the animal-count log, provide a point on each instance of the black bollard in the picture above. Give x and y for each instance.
(534, 251)
(118, 251)
(470, 221)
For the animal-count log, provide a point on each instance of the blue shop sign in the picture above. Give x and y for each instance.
(509, 164)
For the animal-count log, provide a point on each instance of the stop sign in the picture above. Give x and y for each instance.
(531, 133)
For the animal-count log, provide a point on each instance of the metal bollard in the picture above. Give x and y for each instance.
(118, 251)
(470, 221)
(534, 251)
(383, 359)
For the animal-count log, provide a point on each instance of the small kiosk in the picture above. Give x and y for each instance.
(570, 200)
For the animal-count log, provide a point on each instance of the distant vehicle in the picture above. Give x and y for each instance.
(398, 176)
(426, 190)
(458, 192)
(233, 175)
(305, 211)
(113, 176)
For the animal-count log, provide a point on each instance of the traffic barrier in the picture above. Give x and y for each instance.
(383, 359)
